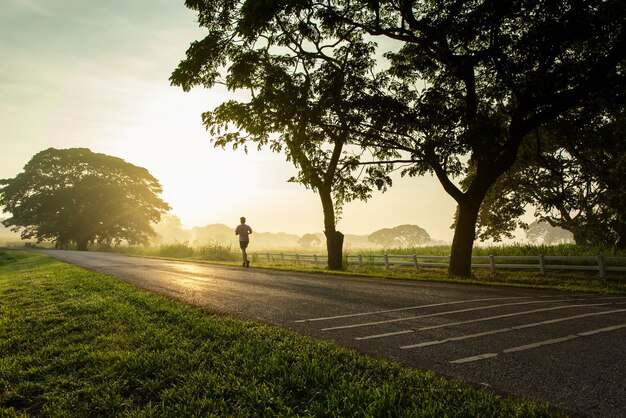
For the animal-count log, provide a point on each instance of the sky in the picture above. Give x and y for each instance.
(95, 74)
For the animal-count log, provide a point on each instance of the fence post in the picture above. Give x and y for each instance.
(415, 262)
(315, 259)
(282, 258)
(297, 259)
(386, 261)
(360, 260)
(492, 263)
(601, 267)
(268, 257)
(542, 264)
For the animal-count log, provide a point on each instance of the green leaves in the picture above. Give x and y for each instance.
(74, 196)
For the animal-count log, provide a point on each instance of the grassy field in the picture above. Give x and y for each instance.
(77, 343)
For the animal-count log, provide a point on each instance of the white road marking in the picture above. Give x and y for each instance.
(410, 318)
(600, 330)
(502, 330)
(474, 358)
(539, 344)
(328, 318)
(388, 334)
(489, 318)
(459, 338)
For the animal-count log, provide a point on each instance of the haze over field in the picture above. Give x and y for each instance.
(95, 75)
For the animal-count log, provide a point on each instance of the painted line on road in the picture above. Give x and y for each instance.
(388, 334)
(328, 318)
(474, 358)
(598, 331)
(539, 344)
(489, 318)
(410, 318)
(509, 329)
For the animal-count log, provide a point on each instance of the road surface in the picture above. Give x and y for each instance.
(567, 349)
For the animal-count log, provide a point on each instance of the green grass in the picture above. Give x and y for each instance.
(569, 250)
(77, 343)
(209, 252)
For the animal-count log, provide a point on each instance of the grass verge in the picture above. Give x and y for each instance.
(77, 343)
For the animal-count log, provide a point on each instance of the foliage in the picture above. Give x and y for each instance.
(572, 172)
(306, 85)
(548, 234)
(400, 236)
(481, 76)
(309, 240)
(77, 196)
(467, 81)
(170, 228)
(77, 343)
(209, 252)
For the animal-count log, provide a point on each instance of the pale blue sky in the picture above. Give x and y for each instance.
(77, 73)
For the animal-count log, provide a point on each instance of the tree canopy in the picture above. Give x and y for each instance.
(75, 196)
(466, 82)
(400, 236)
(573, 173)
(306, 88)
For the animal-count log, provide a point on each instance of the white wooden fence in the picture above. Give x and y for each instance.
(601, 264)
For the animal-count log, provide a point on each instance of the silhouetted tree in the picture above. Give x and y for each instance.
(75, 196)
(573, 172)
(476, 78)
(305, 94)
(400, 236)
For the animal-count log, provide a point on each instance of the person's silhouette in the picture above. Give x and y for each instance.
(244, 232)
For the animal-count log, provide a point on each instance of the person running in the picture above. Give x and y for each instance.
(244, 232)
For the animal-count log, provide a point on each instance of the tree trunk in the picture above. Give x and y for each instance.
(334, 247)
(81, 245)
(334, 238)
(621, 235)
(464, 235)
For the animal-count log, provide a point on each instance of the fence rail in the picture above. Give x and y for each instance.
(601, 264)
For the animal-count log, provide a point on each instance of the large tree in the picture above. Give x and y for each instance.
(478, 77)
(75, 196)
(306, 86)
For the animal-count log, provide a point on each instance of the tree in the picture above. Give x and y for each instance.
(478, 77)
(573, 172)
(309, 240)
(305, 95)
(170, 229)
(548, 234)
(75, 196)
(470, 79)
(400, 236)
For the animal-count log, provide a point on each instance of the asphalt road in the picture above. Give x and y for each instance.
(567, 349)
